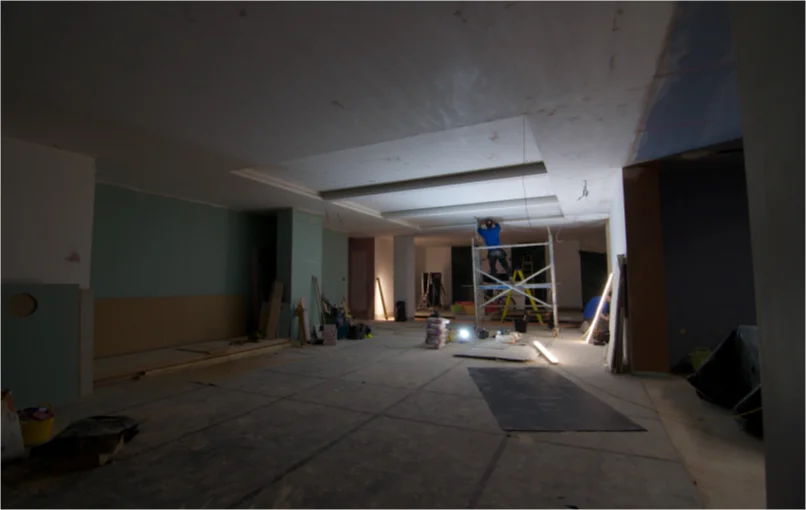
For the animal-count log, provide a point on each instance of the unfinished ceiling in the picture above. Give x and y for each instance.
(266, 105)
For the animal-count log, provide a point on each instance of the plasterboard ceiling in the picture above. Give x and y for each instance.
(173, 97)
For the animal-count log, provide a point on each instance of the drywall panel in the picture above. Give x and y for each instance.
(127, 325)
(569, 274)
(334, 265)
(706, 254)
(47, 214)
(385, 270)
(438, 260)
(647, 336)
(768, 43)
(40, 352)
(147, 246)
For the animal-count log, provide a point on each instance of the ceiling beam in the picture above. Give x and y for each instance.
(488, 174)
(479, 207)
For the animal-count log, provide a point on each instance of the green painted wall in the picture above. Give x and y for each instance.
(334, 265)
(284, 234)
(40, 352)
(284, 231)
(306, 261)
(146, 246)
(299, 258)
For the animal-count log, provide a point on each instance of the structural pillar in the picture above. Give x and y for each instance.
(769, 51)
(405, 279)
(299, 259)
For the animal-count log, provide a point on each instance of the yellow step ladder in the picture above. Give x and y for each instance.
(526, 261)
(517, 276)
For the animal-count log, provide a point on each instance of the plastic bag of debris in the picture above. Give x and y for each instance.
(509, 338)
(13, 446)
(88, 443)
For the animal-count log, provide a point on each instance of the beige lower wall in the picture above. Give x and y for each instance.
(127, 325)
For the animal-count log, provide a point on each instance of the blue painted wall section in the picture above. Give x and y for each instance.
(146, 246)
(335, 254)
(697, 103)
(40, 352)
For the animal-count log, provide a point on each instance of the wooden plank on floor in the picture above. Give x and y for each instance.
(135, 365)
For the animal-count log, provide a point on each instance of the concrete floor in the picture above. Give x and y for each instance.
(378, 423)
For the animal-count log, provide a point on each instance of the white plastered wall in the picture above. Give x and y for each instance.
(616, 245)
(48, 197)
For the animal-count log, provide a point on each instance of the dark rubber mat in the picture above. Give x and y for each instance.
(540, 399)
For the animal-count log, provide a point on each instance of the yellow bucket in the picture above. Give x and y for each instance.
(36, 432)
(699, 356)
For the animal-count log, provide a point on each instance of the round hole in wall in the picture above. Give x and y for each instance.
(22, 305)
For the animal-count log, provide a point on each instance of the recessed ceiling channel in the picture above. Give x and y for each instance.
(437, 181)
(476, 208)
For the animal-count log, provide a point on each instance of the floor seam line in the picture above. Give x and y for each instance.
(488, 473)
(208, 427)
(294, 467)
(159, 399)
(601, 450)
(297, 465)
(452, 427)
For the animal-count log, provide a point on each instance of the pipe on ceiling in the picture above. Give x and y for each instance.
(504, 172)
(480, 207)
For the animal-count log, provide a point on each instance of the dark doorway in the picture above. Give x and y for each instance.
(531, 259)
(361, 288)
(594, 274)
(461, 273)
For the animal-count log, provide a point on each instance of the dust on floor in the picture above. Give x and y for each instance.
(378, 423)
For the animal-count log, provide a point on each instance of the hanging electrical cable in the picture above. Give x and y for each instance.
(584, 190)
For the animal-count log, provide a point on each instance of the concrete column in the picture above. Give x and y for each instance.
(405, 288)
(299, 259)
(769, 50)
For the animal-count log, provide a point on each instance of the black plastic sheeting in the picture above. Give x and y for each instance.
(95, 435)
(540, 399)
(731, 378)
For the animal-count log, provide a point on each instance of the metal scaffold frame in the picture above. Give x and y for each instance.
(479, 302)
